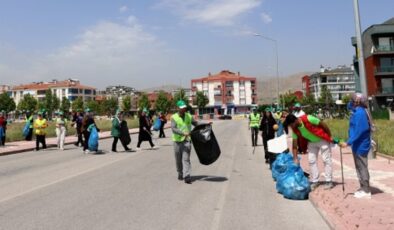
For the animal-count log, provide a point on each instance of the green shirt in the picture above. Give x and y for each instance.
(306, 133)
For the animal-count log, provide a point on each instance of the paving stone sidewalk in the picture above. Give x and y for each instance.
(340, 209)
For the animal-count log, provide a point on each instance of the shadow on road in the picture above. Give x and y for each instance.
(209, 178)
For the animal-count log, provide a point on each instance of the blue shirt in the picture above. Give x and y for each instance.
(359, 132)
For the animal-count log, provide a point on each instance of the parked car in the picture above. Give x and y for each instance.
(225, 117)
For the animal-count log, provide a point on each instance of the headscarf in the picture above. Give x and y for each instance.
(359, 99)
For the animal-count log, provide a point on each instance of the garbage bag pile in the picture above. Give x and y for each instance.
(290, 179)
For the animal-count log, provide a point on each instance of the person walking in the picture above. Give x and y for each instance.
(144, 133)
(360, 127)
(163, 120)
(40, 124)
(77, 122)
(116, 131)
(268, 133)
(254, 121)
(3, 128)
(318, 137)
(30, 120)
(61, 124)
(181, 123)
(87, 123)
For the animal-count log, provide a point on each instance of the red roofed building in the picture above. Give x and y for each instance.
(71, 89)
(227, 92)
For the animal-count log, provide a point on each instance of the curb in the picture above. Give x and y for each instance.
(385, 156)
(322, 213)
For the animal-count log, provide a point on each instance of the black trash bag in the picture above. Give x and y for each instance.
(124, 133)
(205, 144)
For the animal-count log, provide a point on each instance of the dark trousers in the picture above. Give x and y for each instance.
(115, 142)
(150, 142)
(29, 136)
(361, 163)
(255, 134)
(79, 141)
(86, 136)
(162, 131)
(40, 139)
(2, 141)
(268, 155)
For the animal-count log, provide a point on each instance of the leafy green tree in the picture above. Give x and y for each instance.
(289, 99)
(6, 103)
(346, 98)
(65, 105)
(94, 106)
(181, 95)
(163, 104)
(143, 102)
(55, 103)
(77, 104)
(126, 104)
(109, 106)
(325, 96)
(27, 103)
(41, 105)
(201, 100)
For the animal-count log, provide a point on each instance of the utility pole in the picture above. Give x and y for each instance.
(360, 49)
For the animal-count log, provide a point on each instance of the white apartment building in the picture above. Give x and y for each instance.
(228, 92)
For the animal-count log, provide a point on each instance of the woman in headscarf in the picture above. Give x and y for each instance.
(268, 133)
(360, 128)
(145, 133)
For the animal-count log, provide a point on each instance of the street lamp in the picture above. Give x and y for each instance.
(277, 62)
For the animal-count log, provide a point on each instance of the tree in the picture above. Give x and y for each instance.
(163, 104)
(77, 104)
(346, 98)
(325, 96)
(109, 106)
(6, 103)
(126, 104)
(55, 102)
(94, 106)
(181, 95)
(289, 99)
(309, 104)
(50, 102)
(65, 105)
(27, 103)
(201, 100)
(143, 102)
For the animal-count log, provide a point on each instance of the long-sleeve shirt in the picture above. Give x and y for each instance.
(359, 132)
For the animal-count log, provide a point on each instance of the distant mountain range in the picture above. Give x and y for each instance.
(267, 88)
(166, 88)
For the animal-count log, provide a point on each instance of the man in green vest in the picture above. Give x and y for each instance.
(29, 119)
(181, 125)
(254, 124)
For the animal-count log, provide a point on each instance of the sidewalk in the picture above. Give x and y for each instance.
(342, 210)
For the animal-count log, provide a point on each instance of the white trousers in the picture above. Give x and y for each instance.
(61, 136)
(313, 151)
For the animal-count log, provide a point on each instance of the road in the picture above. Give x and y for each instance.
(70, 190)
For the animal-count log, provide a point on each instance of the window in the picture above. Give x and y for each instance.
(88, 91)
(73, 91)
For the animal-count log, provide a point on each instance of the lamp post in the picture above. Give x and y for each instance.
(277, 62)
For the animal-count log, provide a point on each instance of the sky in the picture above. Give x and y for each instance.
(150, 43)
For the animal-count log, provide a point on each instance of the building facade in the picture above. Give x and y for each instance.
(227, 92)
(71, 89)
(340, 81)
(378, 44)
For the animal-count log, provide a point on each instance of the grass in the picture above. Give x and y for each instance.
(382, 136)
(14, 130)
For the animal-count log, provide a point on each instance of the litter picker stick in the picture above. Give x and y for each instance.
(343, 179)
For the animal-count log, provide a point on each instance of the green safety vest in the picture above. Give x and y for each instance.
(254, 120)
(183, 125)
(30, 119)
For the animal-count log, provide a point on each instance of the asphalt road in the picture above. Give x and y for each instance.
(71, 190)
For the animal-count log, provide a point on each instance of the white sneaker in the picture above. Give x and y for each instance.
(87, 151)
(154, 147)
(138, 149)
(362, 194)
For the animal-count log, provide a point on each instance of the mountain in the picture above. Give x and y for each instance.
(165, 88)
(267, 88)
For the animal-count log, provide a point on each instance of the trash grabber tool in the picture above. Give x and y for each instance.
(343, 179)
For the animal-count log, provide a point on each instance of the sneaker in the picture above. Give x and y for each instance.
(188, 180)
(328, 185)
(154, 147)
(314, 185)
(362, 194)
(180, 177)
(138, 149)
(129, 150)
(87, 151)
(114, 151)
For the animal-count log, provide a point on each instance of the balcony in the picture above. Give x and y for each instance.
(386, 91)
(384, 70)
(385, 49)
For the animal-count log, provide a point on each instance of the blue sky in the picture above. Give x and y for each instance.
(151, 43)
